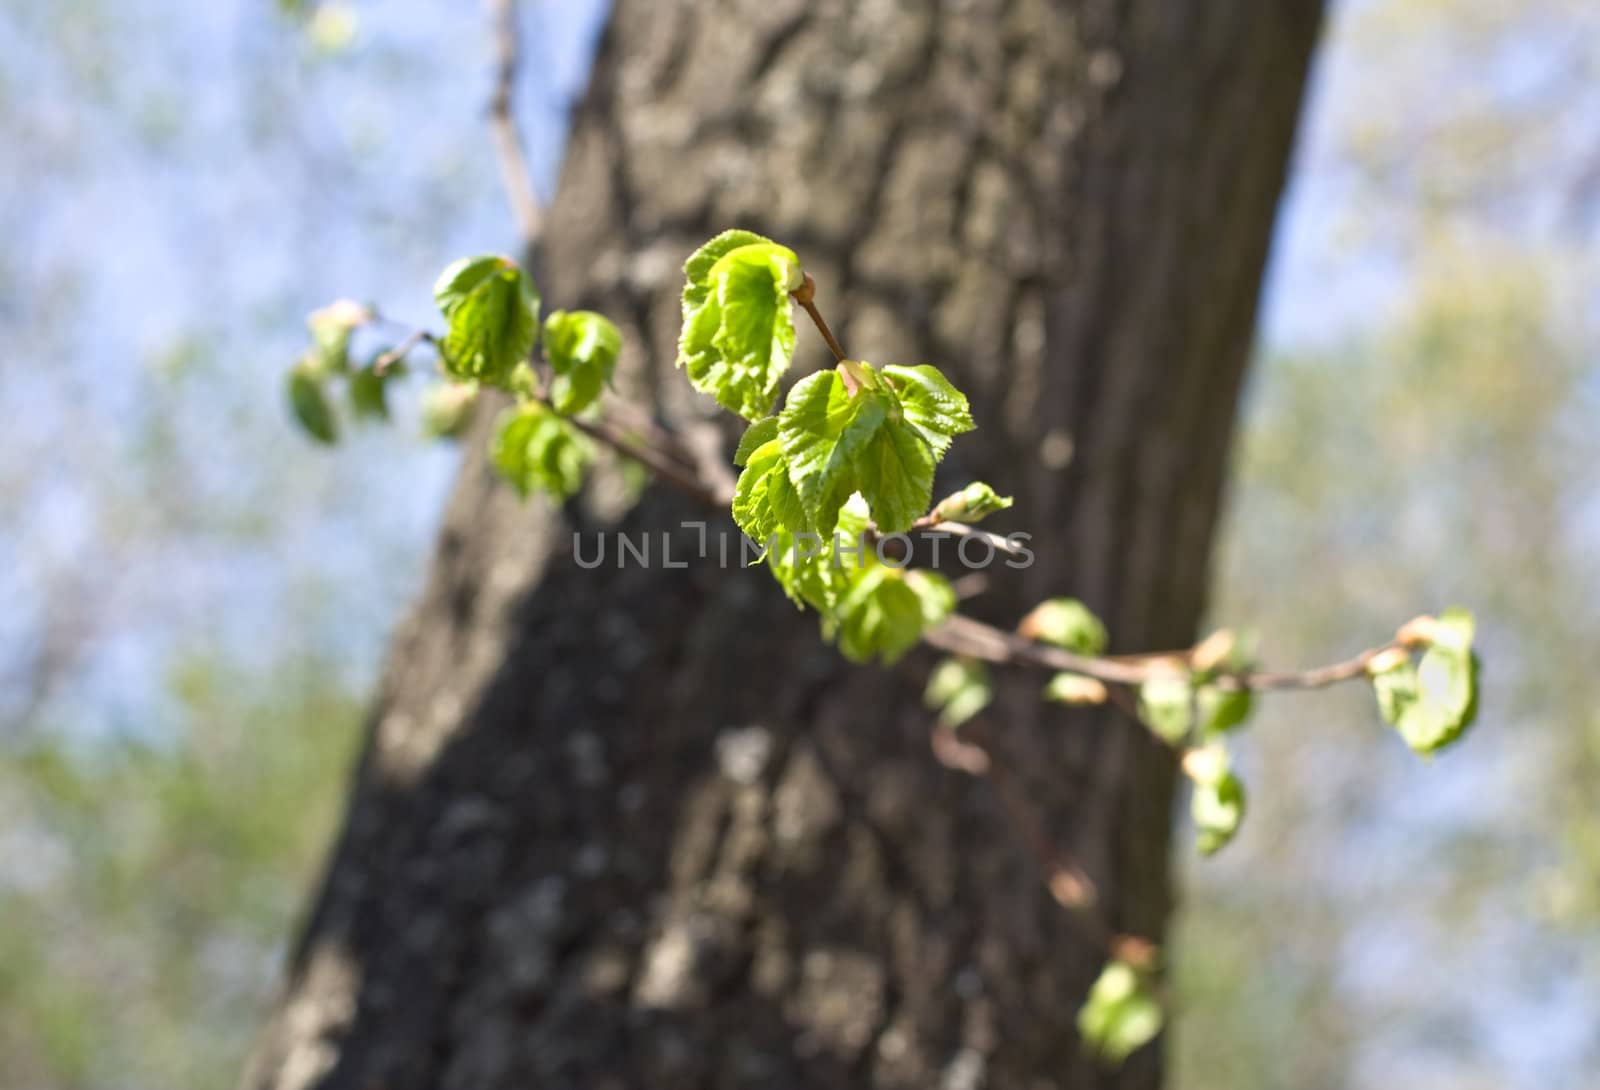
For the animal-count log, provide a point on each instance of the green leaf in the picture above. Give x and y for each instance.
(764, 499)
(935, 408)
(447, 409)
(309, 402)
(331, 328)
(1396, 690)
(869, 609)
(1431, 703)
(1218, 802)
(1120, 1014)
(879, 616)
(1166, 704)
(582, 348)
(934, 592)
(811, 573)
(867, 439)
(1066, 623)
(894, 471)
(738, 325)
(1078, 689)
(756, 436)
(1222, 709)
(886, 610)
(493, 313)
(536, 450)
(369, 394)
(812, 570)
(973, 503)
(822, 427)
(958, 688)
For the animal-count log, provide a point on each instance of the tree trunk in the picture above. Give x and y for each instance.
(641, 828)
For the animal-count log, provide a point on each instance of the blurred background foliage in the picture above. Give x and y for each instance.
(197, 600)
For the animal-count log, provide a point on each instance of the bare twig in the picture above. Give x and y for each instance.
(933, 523)
(806, 297)
(660, 465)
(510, 152)
(964, 636)
(400, 351)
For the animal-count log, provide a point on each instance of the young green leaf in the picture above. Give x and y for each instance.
(973, 503)
(755, 437)
(879, 616)
(368, 393)
(738, 324)
(937, 410)
(1121, 1013)
(1431, 703)
(885, 611)
(1217, 810)
(447, 409)
(958, 688)
(822, 428)
(331, 328)
(582, 348)
(536, 450)
(1222, 709)
(493, 313)
(1218, 802)
(764, 499)
(894, 471)
(810, 571)
(1066, 623)
(1166, 704)
(310, 404)
(1069, 688)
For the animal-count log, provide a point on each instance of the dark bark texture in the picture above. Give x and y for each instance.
(627, 828)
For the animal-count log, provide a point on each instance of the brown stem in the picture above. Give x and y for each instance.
(398, 352)
(806, 295)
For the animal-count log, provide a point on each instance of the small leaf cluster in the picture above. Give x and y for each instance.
(491, 308)
(871, 609)
(850, 455)
(327, 363)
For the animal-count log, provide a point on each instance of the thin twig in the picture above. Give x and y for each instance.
(934, 524)
(510, 152)
(399, 352)
(964, 636)
(661, 466)
(806, 296)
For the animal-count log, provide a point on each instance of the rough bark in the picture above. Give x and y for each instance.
(640, 828)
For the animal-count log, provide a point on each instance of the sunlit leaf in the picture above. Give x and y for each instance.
(1066, 623)
(1120, 1014)
(537, 451)
(958, 688)
(1166, 705)
(582, 349)
(493, 313)
(973, 503)
(931, 403)
(738, 325)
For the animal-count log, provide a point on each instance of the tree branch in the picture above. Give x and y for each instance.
(510, 152)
